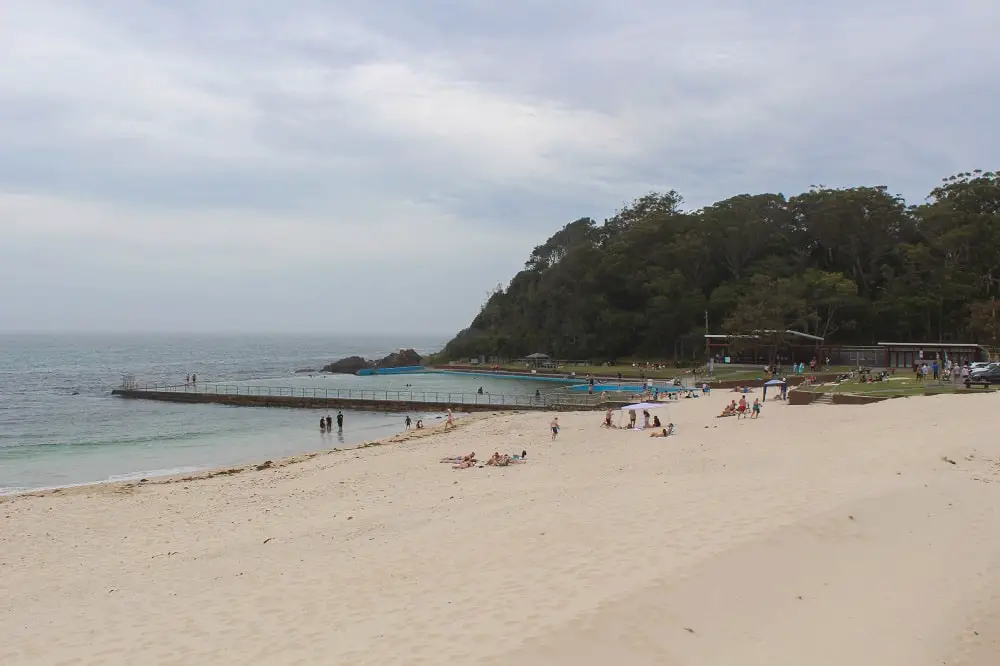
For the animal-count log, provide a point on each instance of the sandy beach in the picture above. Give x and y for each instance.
(820, 535)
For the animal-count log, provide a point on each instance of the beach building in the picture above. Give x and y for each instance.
(755, 348)
(908, 354)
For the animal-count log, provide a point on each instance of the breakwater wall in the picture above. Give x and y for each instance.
(459, 403)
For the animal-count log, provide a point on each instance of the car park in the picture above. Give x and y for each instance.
(985, 377)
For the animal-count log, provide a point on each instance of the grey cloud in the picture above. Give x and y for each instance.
(469, 130)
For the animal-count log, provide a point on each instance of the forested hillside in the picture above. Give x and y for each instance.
(853, 265)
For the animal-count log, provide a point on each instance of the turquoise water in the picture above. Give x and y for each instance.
(59, 424)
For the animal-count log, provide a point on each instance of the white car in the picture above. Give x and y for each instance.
(981, 366)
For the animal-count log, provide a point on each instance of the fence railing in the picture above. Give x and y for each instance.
(431, 397)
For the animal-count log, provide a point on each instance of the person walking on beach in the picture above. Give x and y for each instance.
(450, 423)
(340, 420)
(555, 428)
(408, 422)
(756, 408)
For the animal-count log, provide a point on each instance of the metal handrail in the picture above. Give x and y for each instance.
(385, 395)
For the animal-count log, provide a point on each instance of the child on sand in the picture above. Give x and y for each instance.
(555, 428)
(756, 408)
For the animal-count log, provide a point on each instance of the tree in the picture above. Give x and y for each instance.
(852, 265)
(984, 320)
(765, 313)
(826, 297)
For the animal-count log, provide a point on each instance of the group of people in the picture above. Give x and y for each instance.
(326, 423)
(496, 460)
(648, 422)
(740, 409)
(956, 372)
(409, 422)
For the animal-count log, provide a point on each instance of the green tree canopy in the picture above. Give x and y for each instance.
(851, 265)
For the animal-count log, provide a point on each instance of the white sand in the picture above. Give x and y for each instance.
(819, 535)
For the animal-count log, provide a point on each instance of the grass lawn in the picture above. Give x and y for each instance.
(894, 387)
(722, 372)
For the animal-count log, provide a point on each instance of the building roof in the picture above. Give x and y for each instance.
(933, 345)
(713, 336)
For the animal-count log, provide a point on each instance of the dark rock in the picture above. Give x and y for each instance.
(347, 366)
(352, 364)
(401, 359)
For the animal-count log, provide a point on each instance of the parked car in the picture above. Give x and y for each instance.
(983, 367)
(985, 377)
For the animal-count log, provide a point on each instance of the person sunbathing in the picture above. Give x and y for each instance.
(465, 464)
(730, 410)
(665, 432)
(460, 459)
(502, 459)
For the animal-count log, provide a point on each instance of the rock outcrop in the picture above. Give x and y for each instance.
(401, 359)
(347, 366)
(352, 364)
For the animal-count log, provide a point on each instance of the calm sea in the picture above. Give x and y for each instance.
(59, 424)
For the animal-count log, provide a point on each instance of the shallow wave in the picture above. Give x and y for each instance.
(115, 478)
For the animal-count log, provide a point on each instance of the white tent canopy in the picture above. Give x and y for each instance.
(638, 407)
(644, 405)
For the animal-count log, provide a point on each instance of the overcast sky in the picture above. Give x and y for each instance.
(373, 165)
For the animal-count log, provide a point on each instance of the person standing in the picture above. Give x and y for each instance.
(408, 422)
(340, 420)
(329, 423)
(555, 428)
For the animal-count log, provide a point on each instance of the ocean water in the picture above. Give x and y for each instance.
(60, 425)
